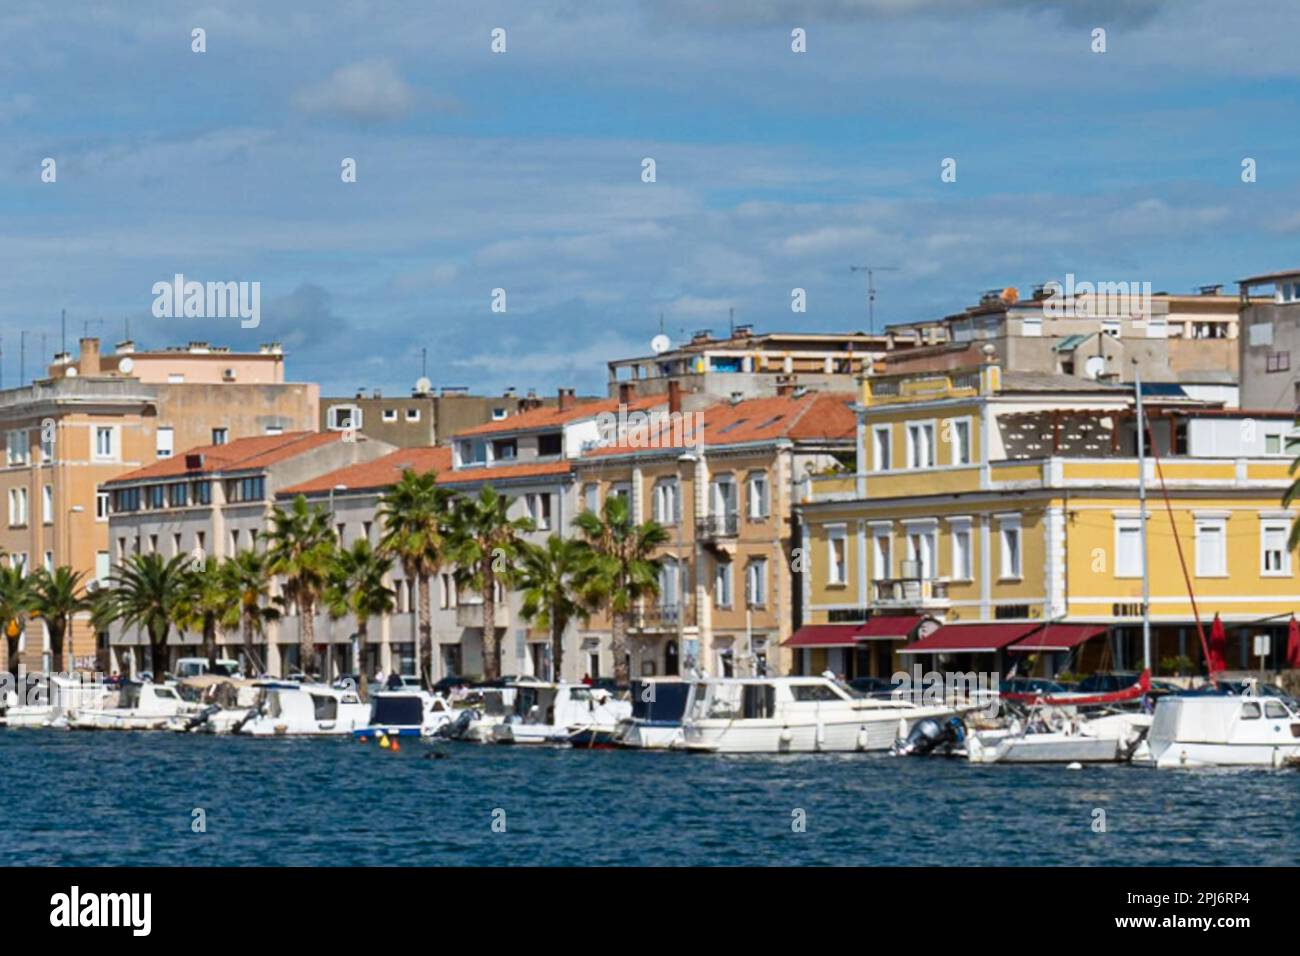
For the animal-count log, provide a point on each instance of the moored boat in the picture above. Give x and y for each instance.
(140, 706)
(305, 710)
(656, 720)
(406, 713)
(1223, 730)
(547, 713)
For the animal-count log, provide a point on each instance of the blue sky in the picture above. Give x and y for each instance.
(522, 170)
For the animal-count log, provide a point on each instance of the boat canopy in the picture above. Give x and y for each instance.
(397, 710)
(667, 699)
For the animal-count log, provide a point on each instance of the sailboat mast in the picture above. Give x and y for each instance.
(1142, 521)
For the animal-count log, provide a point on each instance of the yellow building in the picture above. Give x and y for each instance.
(982, 496)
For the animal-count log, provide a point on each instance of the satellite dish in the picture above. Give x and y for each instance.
(126, 365)
(1095, 366)
(661, 343)
(423, 385)
(71, 372)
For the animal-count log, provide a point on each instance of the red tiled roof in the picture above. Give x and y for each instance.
(380, 473)
(551, 417)
(808, 417)
(238, 455)
(466, 476)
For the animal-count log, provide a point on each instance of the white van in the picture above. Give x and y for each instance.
(197, 666)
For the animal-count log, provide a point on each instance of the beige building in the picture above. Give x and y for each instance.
(96, 417)
(212, 502)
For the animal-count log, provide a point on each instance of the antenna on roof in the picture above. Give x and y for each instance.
(871, 291)
(731, 322)
(63, 330)
(424, 362)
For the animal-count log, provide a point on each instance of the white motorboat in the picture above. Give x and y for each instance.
(402, 713)
(144, 706)
(292, 710)
(794, 715)
(1054, 735)
(546, 713)
(51, 700)
(656, 722)
(1224, 731)
(476, 712)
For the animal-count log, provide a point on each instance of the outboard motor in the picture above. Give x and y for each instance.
(929, 736)
(455, 729)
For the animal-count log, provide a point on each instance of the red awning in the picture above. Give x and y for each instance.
(971, 638)
(889, 628)
(1058, 637)
(824, 635)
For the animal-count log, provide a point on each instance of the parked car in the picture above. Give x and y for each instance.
(1106, 682)
(1031, 685)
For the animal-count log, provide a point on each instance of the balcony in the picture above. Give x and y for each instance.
(909, 593)
(717, 527)
(663, 617)
(469, 613)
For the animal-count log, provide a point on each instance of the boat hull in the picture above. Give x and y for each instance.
(875, 732)
(1179, 755)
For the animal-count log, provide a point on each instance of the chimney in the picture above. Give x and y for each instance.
(89, 362)
(565, 400)
(674, 397)
(626, 393)
(784, 386)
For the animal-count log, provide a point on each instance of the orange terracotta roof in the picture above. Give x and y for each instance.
(549, 417)
(378, 474)
(810, 417)
(466, 476)
(238, 455)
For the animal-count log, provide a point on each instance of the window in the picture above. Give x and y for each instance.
(756, 582)
(920, 551)
(247, 489)
(49, 561)
(884, 559)
(961, 552)
(880, 460)
(837, 554)
(220, 436)
(506, 450)
(203, 492)
(498, 414)
(1157, 329)
(105, 446)
(339, 418)
(550, 444)
(102, 568)
(539, 509)
(920, 445)
(959, 438)
(177, 493)
(390, 414)
(1031, 328)
(1273, 444)
(1274, 710)
(1277, 362)
(17, 507)
(669, 584)
(1250, 710)
(1111, 327)
(166, 442)
(1211, 553)
(1275, 558)
(47, 440)
(234, 540)
(157, 496)
(101, 506)
(47, 504)
(757, 493)
(16, 442)
(1128, 548)
(128, 499)
(591, 496)
(176, 543)
(412, 414)
(723, 497)
(175, 378)
(722, 584)
(667, 502)
(1009, 536)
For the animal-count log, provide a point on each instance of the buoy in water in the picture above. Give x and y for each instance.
(384, 742)
(396, 746)
(1074, 766)
(363, 739)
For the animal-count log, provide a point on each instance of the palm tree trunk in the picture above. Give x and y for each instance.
(158, 648)
(210, 641)
(426, 631)
(11, 645)
(363, 682)
(57, 631)
(491, 647)
(557, 645)
(618, 640)
(306, 637)
(248, 645)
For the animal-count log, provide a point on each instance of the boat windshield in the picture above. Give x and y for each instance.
(326, 707)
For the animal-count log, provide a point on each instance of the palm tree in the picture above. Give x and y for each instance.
(207, 605)
(486, 543)
(356, 586)
(147, 591)
(56, 596)
(246, 582)
(617, 567)
(301, 546)
(546, 576)
(415, 513)
(15, 604)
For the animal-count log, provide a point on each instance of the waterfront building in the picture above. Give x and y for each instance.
(724, 483)
(986, 503)
(211, 502)
(1270, 336)
(94, 417)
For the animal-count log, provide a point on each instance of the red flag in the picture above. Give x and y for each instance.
(1218, 646)
(1293, 644)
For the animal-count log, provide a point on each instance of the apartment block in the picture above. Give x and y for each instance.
(1270, 337)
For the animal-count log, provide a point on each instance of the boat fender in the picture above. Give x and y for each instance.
(862, 738)
(1074, 766)
(787, 737)
(363, 739)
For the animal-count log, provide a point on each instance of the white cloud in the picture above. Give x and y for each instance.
(368, 92)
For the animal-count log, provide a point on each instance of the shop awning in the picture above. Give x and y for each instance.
(971, 638)
(824, 635)
(889, 628)
(1058, 637)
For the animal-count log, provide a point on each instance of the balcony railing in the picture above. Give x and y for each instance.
(470, 614)
(713, 527)
(654, 616)
(909, 592)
